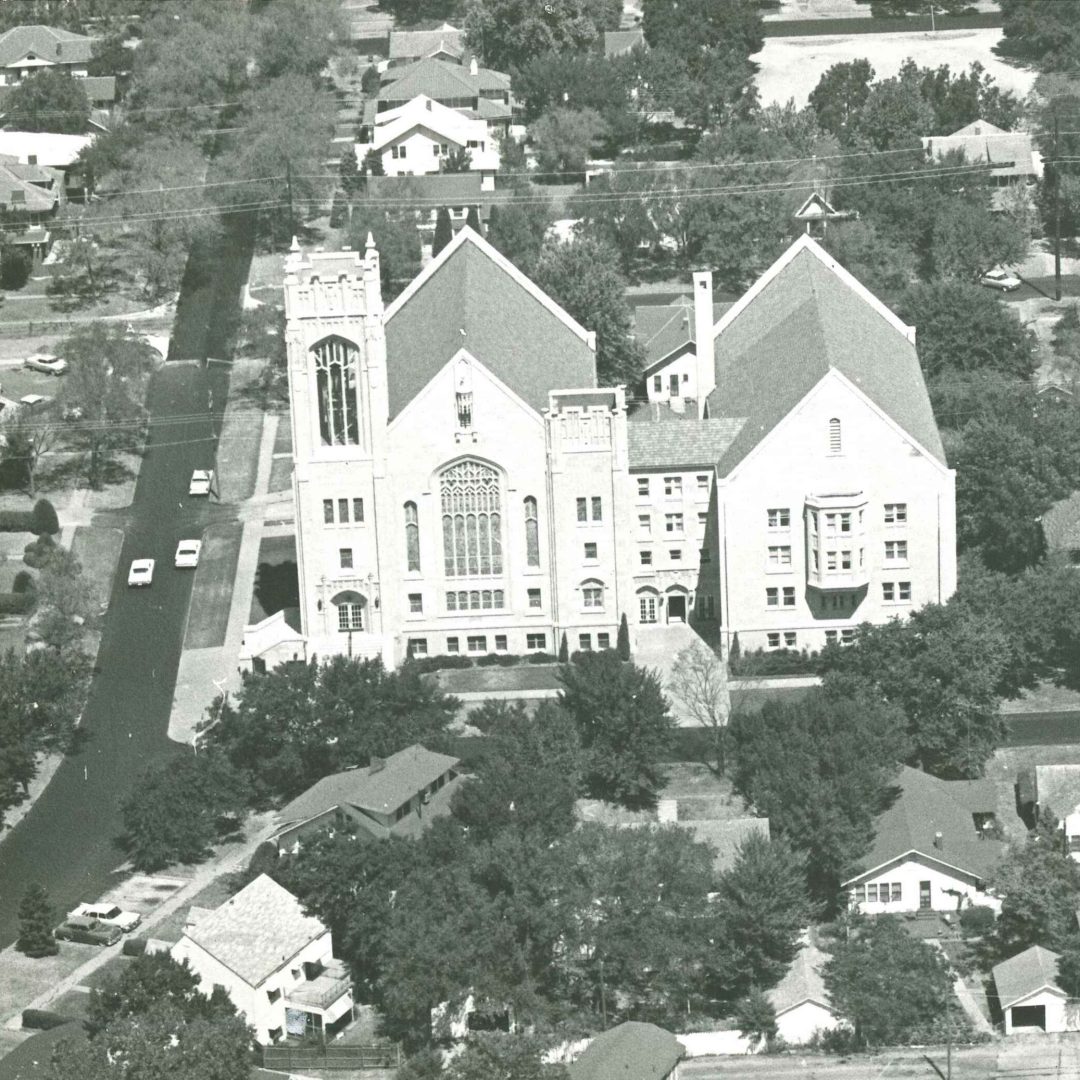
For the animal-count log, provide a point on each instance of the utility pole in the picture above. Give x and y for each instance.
(603, 995)
(288, 182)
(933, 25)
(1057, 213)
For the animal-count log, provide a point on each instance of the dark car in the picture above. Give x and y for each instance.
(88, 931)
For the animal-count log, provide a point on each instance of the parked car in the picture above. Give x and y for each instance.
(88, 932)
(187, 553)
(1000, 279)
(108, 914)
(46, 363)
(201, 482)
(141, 572)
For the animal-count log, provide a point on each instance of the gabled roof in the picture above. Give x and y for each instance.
(377, 788)
(1025, 974)
(1061, 524)
(46, 42)
(423, 112)
(925, 806)
(804, 317)
(413, 44)
(48, 147)
(801, 982)
(687, 443)
(619, 42)
(661, 329)
(1057, 787)
(1009, 151)
(631, 1051)
(440, 80)
(29, 195)
(256, 932)
(471, 297)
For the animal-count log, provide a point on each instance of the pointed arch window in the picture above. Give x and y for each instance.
(472, 520)
(412, 537)
(335, 378)
(532, 533)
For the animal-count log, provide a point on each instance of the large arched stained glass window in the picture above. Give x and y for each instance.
(472, 520)
(335, 374)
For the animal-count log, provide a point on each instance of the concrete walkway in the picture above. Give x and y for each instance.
(657, 646)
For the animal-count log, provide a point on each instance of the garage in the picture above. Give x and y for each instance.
(1028, 1017)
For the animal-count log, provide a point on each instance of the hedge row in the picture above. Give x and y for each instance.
(42, 520)
(16, 603)
(42, 1019)
(902, 24)
(775, 662)
(453, 661)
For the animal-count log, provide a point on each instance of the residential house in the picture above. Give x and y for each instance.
(801, 1002)
(633, 1049)
(1057, 792)
(1010, 154)
(1061, 528)
(275, 962)
(934, 848)
(446, 43)
(415, 139)
(48, 150)
(394, 796)
(26, 50)
(1029, 995)
(621, 42)
(29, 198)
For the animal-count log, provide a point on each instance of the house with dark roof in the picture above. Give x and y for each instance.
(1010, 154)
(275, 962)
(801, 1001)
(633, 1049)
(446, 43)
(935, 846)
(1029, 996)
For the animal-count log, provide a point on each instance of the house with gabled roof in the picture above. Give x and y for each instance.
(1029, 995)
(643, 1051)
(275, 962)
(935, 846)
(25, 50)
(801, 1001)
(445, 43)
(1010, 154)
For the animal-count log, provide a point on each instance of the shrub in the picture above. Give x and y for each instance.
(541, 658)
(38, 552)
(15, 267)
(774, 662)
(24, 582)
(977, 920)
(490, 660)
(44, 519)
(16, 521)
(42, 1019)
(426, 664)
(498, 660)
(16, 603)
(134, 946)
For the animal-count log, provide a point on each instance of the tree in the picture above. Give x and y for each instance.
(517, 228)
(624, 724)
(16, 266)
(459, 160)
(397, 239)
(36, 920)
(622, 642)
(27, 437)
(373, 164)
(504, 1057)
(49, 100)
(961, 99)
(971, 240)
(102, 397)
(350, 171)
(566, 139)
(177, 811)
(890, 985)
(689, 26)
(582, 278)
(895, 114)
(508, 33)
(755, 1017)
(472, 219)
(65, 601)
(1038, 884)
(840, 95)
(444, 231)
(564, 650)
(699, 683)
(1042, 31)
(297, 37)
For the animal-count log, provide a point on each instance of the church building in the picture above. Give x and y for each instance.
(463, 485)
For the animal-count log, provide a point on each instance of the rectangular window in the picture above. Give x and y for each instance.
(847, 636)
(845, 523)
(675, 554)
(603, 641)
(888, 591)
(896, 892)
(644, 522)
(814, 554)
(813, 522)
(585, 642)
(780, 556)
(789, 596)
(845, 560)
(536, 642)
(773, 639)
(500, 643)
(780, 518)
(871, 894)
(453, 644)
(590, 552)
(895, 550)
(328, 511)
(646, 558)
(703, 518)
(858, 894)
(772, 597)
(416, 603)
(905, 590)
(597, 508)
(642, 486)
(830, 560)
(672, 486)
(895, 513)
(418, 646)
(476, 643)
(831, 637)
(791, 639)
(703, 483)
(358, 509)
(345, 554)
(593, 596)
(343, 510)
(647, 608)
(583, 509)
(658, 384)
(534, 598)
(673, 523)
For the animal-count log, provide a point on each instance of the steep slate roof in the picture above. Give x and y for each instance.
(663, 328)
(925, 806)
(807, 320)
(1026, 973)
(407, 44)
(687, 443)
(1057, 787)
(381, 790)
(631, 1051)
(802, 982)
(261, 928)
(470, 297)
(1009, 151)
(1061, 524)
(42, 41)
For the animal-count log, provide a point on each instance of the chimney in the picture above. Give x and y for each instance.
(474, 67)
(703, 337)
(939, 841)
(378, 764)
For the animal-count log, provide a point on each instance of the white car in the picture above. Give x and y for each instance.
(187, 553)
(201, 482)
(46, 363)
(141, 572)
(109, 914)
(1000, 279)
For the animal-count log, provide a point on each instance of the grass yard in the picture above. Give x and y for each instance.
(98, 549)
(211, 596)
(241, 435)
(281, 474)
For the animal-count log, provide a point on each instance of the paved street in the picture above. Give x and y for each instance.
(67, 841)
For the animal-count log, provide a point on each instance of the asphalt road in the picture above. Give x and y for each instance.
(68, 840)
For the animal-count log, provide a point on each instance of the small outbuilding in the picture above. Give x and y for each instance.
(1029, 995)
(802, 1004)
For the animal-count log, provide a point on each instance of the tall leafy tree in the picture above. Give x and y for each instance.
(565, 139)
(1043, 32)
(36, 920)
(517, 228)
(840, 95)
(297, 37)
(50, 100)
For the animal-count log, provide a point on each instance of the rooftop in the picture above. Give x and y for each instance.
(440, 80)
(1009, 151)
(661, 329)
(48, 43)
(1061, 524)
(689, 443)
(631, 1051)
(802, 981)
(1057, 788)
(1024, 974)
(414, 44)
(256, 932)
(620, 42)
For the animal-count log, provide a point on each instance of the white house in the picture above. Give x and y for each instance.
(802, 1003)
(415, 138)
(933, 848)
(276, 964)
(1057, 791)
(1029, 995)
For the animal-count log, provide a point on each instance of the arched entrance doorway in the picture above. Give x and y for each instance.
(677, 604)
